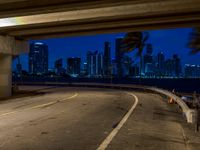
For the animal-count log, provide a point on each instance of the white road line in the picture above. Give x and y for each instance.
(109, 138)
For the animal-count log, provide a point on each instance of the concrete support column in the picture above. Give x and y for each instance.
(5, 75)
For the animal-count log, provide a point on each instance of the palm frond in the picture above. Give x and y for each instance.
(194, 41)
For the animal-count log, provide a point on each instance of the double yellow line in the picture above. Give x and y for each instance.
(39, 106)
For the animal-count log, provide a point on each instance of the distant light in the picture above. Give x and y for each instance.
(39, 43)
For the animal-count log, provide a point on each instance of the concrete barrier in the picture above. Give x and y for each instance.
(187, 112)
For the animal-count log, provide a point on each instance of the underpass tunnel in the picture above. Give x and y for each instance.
(39, 20)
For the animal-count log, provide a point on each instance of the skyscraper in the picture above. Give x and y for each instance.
(161, 61)
(94, 63)
(107, 59)
(119, 56)
(59, 67)
(147, 60)
(38, 58)
(126, 65)
(192, 71)
(177, 65)
(74, 65)
(169, 67)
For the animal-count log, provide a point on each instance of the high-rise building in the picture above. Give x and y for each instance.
(94, 64)
(161, 61)
(84, 69)
(169, 67)
(149, 69)
(107, 59)
(100, 64)
(173, 66)
(134, 71)
(38, 58)
(59, 66)
(147, 59)
(177, 65)
(58, 63)
(113, 67)
(119, 56)
(126, 65)
(192, 71)
(74, 66)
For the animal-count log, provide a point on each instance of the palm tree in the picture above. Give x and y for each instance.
(194, 41)
(135, 41)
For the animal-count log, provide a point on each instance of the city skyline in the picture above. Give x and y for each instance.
(100, 64)
(59, 48)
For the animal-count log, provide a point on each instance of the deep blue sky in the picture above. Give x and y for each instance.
(170, 41)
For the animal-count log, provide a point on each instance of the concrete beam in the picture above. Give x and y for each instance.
(9, 45)
(108, 27)
(123, 11)
(119, 17)
(27, 7)
(5, 75)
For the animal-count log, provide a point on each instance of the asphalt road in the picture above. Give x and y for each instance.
(83, 118)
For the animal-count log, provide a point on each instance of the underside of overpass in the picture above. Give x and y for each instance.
(22, 20)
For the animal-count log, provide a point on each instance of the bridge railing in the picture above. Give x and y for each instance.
(187, 112)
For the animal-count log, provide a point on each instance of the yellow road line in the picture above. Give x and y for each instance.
(39, 106)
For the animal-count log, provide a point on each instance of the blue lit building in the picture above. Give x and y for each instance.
(94, 64)
(74, 66)
(192, 71)
(38, 58)
(119, 56)
(59, 70)
(147, 60)
(107, 59)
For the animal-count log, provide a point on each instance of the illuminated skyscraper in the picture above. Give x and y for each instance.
(119, 56)
(59, 66)
(192, 71)
(161, 61)
(177, 65)
(38, 58)
(147, 60)
(94, 64)
(74, 65)
(107, 59)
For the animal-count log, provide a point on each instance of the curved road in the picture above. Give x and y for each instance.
(83, 118)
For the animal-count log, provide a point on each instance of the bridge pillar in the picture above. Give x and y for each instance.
(9, 47)
(5, 75)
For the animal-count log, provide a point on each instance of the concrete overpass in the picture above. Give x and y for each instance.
(21, 20)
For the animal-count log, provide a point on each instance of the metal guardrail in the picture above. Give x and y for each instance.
(188, 113)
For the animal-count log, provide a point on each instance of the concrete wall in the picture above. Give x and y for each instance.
(5, 75)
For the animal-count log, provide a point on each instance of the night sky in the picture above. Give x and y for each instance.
(169, 41)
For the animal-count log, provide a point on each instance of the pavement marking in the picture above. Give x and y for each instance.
(53, 102)
(113, 133)
(184, 138)
(40, 106)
